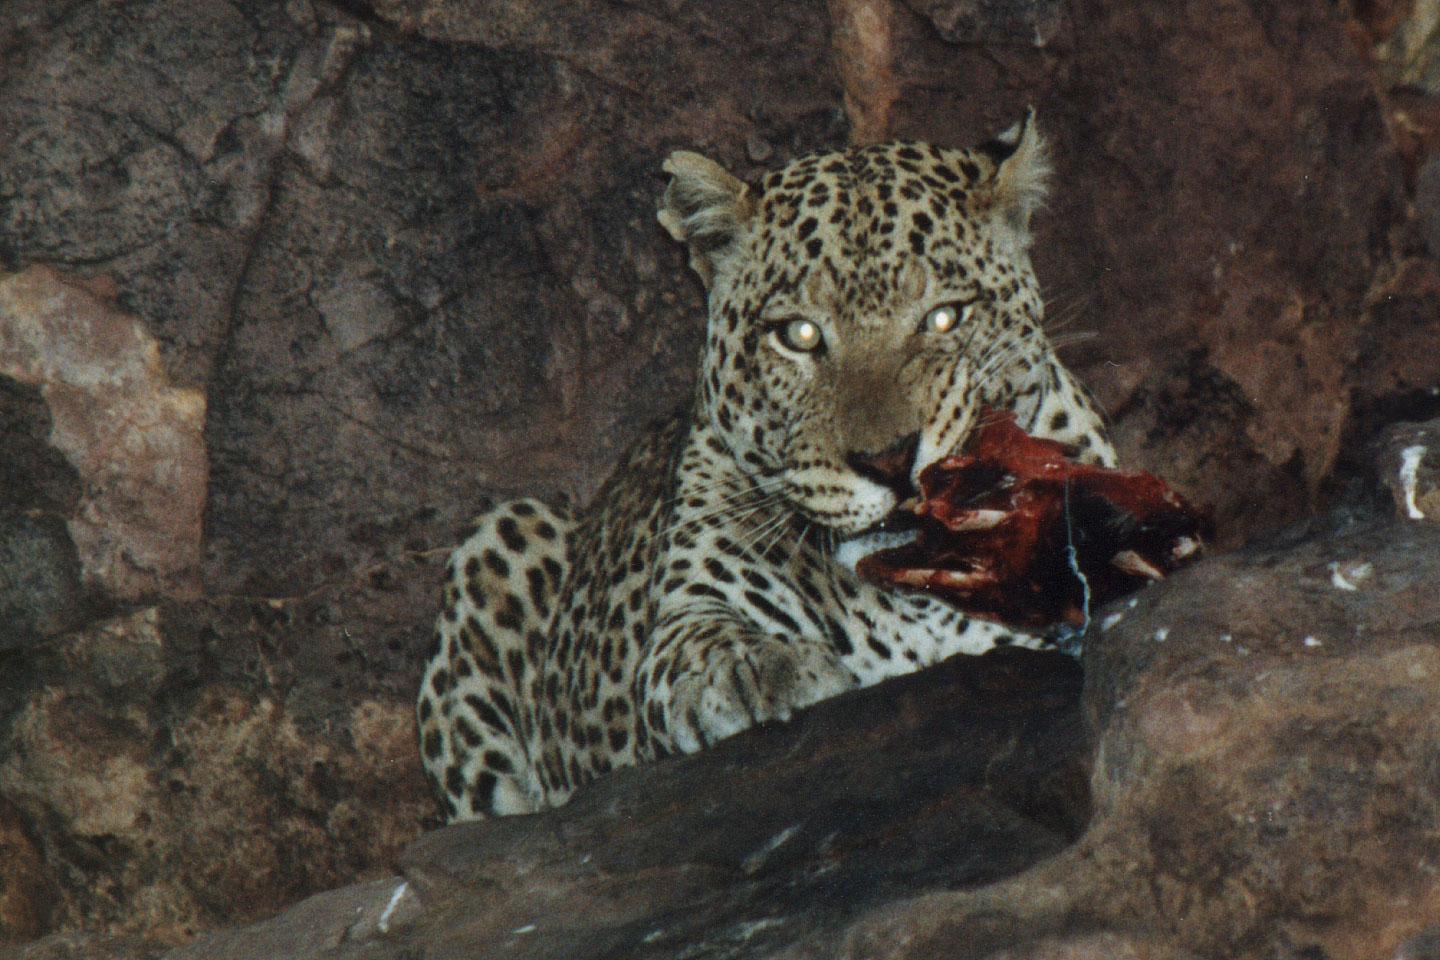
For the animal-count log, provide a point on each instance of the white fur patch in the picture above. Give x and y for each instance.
(850, 551)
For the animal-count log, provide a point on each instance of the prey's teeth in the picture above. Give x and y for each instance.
(1132, 563)
(952, 579)
(1184, 547)
(915, 577)
(979, 520)
(962, 580)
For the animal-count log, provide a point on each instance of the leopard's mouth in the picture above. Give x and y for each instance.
(903, 519)
(896, 529)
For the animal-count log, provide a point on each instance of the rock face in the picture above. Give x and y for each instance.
(133, 439)
(286, 290)
(1266, 734)
(151, 790)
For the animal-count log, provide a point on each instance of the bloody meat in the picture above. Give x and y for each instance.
(1013, 531)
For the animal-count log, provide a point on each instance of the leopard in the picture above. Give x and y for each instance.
(866, 306)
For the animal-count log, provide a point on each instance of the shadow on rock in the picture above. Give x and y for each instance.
(1264, 736)
(959, 776)
(955, 777)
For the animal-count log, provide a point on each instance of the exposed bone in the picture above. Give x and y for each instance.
(979, 520)
(1131, 562)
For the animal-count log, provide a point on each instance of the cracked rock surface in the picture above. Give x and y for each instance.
(1265, 729)
(287, 290)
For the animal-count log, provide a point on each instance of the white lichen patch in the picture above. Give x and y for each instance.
(1410, 459)
(1349, 574)
(383, 924)
(1313, 642)
(1162, 634)
(756, 860)
(749, 928)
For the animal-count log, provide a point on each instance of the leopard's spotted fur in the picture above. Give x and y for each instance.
(864, 305)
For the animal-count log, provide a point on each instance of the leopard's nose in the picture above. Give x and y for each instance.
(889, 467)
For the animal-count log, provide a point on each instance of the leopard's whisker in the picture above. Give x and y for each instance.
(799, 542)
(734, 501)
(1064, 340)
(777, 536)
(745, 484)
(1063, 310)
(739, 506)
(1000, 359)
(764, 538)
(987, 372)
(738, 501)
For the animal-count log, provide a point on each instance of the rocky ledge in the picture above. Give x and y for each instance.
(1249, 768)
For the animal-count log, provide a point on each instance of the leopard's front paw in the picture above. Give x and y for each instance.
(739, 686)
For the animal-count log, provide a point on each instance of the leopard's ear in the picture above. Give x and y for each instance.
(706, 208)
(1021, 178)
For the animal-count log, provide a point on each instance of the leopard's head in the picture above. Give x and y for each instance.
(864, 305)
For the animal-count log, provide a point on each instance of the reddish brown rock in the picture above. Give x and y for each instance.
(321, 924)
(1033, 23)
(956, 776)
(862, 34)
(1267, 731)
(151, 790)
(25, 896)
(133, 438)
(1264, 780)
(84, 946)
(406, 252)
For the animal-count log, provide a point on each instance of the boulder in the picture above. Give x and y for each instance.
(1250, 771)
(132, 438)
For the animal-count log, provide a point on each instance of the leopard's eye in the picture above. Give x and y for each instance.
(800, 335)
(947, 317)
